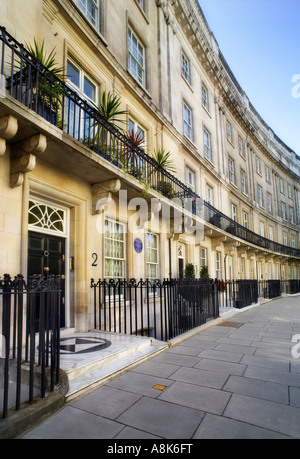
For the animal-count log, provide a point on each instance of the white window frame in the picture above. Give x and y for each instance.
(155, 250)
(231, 167)
(260, 196)
(241, 148)
(291, 215)
(268, 179)
(290, 191)
(205, 98)
(293, 241)
(271, 237)
(112, 240)
(218, 265)
(229, 132)
(185, 68)
(243, 182)
(190, 178)
(233, 212)
(283, 210)
(207, 144)
(258, 166)
(136, 57)
(281, 186)
(187, 121)
(269, 202)
(245, 219)
(83, 6)
(284, 237)
(83, 76)
(203, 257)
(141, 4)
(262, 229)
(210, 195)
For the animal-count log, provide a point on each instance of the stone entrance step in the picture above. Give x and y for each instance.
(91, 359)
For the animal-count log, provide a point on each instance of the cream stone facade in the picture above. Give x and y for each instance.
(162, 60)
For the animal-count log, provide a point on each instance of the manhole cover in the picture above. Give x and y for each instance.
(231, 324)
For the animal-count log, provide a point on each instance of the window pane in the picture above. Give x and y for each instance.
(73, 74)
(89, 89)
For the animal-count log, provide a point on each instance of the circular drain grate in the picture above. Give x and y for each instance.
(82, 345)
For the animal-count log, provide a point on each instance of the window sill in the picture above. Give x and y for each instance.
(139, 84)
(188, 83)
(143, 13)
(230, 142)
(206, 111)
(209, 162)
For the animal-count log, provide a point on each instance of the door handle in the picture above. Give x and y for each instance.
(47, 269)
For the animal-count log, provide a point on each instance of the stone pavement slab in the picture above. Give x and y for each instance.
(223, 382)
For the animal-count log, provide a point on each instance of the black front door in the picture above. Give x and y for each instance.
(46, 256)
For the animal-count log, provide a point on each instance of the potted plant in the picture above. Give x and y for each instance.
(162, 158)
(189, 272)
(109, 110)
(46, 87)
(133, 160)
(164, 163)
(204, 272)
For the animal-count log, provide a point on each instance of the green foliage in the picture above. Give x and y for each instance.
(109, 108)
(48, 60)
(204, 272)
(163, 160)
(189, 272)
(48, 90)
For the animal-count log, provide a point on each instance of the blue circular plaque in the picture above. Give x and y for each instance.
(138, 245)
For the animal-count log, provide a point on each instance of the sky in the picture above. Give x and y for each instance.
(260, 40)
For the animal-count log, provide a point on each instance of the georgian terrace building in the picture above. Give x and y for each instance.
(80, 200)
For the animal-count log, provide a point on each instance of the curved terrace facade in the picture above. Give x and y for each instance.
(186, 173)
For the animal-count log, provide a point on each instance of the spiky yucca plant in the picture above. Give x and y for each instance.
(48, 89)
(37, 50)
(109, 108)
(162, 157)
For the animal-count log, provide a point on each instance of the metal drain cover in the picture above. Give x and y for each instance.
(231, 324)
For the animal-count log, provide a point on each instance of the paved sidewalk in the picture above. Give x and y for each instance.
(237, 380)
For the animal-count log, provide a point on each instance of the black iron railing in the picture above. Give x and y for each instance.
(290, 286)
(237, 293)
(160, 309)
(28, 81)
(30, 335)
(270, 288)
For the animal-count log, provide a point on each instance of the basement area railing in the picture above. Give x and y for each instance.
(29, 339)
(164, 309)
(28, 81)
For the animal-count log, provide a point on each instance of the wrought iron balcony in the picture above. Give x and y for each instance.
(33, 85)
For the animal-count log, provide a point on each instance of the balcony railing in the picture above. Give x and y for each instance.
(28, 81)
